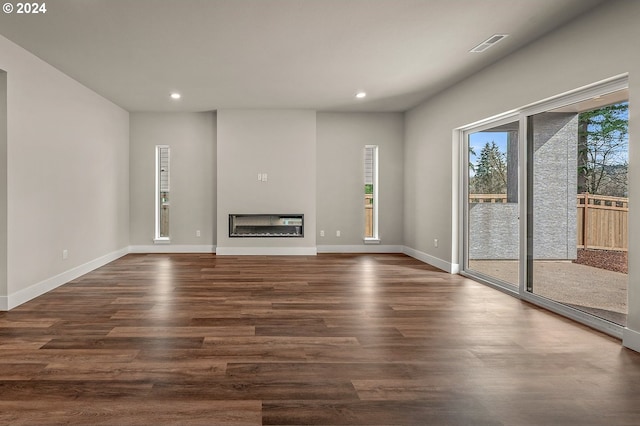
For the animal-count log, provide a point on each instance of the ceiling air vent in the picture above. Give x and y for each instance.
(488, 43)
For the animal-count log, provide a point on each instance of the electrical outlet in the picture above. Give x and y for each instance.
(65, 254)
(198, 233)
(264, 177)
(337, 233)
(435, 242)
(322, 233)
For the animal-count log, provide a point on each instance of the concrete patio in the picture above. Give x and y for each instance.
(597, 291)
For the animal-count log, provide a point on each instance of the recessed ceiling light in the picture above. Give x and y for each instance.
(175, 96)
(361, 95)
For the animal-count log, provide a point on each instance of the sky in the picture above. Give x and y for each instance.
(478, 140)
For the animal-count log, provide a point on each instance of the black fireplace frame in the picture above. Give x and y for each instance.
(265, 225)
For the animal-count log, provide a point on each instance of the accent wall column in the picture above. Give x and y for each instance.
(267, 166)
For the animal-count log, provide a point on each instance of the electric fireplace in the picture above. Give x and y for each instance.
(266, 225)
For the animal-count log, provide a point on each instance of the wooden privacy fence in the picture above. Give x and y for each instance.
(487, 198)
(368, 215)
(603, 222)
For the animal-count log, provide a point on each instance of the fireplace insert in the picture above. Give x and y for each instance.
(266, 225)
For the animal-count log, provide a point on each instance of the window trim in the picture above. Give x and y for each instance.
(375, 239)
(158, 239)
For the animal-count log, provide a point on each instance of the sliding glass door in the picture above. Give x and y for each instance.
(544, 204)
(578, 205)
(491, 203)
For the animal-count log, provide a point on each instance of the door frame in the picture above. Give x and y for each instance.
(461, 179)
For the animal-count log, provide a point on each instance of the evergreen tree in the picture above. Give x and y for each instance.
(491, 171)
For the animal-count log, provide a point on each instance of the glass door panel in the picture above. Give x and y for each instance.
(491, 207)
(577, 205)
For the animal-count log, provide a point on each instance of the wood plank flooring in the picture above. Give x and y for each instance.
(195, 339)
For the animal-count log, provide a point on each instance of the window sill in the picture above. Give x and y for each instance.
(372, 240)
(161, 241)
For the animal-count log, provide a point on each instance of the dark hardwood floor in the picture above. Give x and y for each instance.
(335, 339)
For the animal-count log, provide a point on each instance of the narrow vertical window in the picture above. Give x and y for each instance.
(162, 193)
(371, 193)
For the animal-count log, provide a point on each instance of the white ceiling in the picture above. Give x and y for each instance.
(311, 54)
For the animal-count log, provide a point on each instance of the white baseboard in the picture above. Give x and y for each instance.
(631, 339)
(266, 251)
(369, 248)
(173, 248)
(431, 260)
(38, 289)
(4, 303)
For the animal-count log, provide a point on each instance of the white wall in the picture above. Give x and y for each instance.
(3, 190)
(341, 138)
(192, 139)
(68, 176)
(595, 47)
(281, 143)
